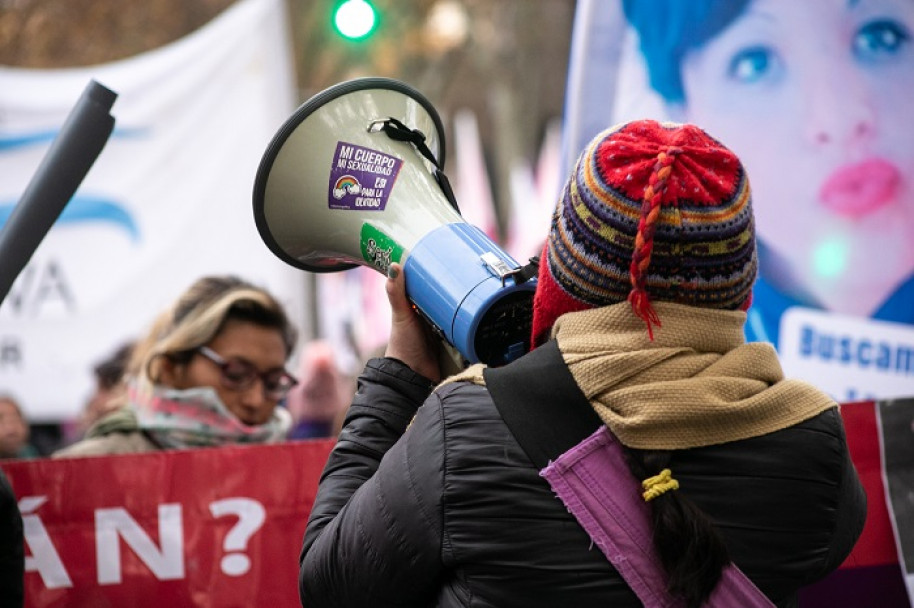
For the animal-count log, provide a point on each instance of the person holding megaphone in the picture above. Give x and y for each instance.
(642, 453)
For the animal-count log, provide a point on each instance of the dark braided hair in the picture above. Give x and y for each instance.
(692, 552)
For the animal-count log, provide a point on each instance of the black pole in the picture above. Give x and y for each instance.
(72, 153)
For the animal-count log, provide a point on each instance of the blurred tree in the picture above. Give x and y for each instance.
(68, 33)
(505, 60)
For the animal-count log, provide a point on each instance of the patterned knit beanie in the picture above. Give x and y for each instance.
(653, 211)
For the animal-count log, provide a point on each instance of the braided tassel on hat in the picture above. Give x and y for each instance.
(652, 212)
(644, 239)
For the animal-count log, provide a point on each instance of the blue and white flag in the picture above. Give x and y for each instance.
(167, 201)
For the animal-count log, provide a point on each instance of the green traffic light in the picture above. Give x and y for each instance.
(355, 19)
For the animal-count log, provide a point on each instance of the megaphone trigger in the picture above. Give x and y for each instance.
(528, 271)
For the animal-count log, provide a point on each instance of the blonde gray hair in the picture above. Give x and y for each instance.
(199, 315)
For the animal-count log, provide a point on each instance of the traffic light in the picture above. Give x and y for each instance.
(355, 19)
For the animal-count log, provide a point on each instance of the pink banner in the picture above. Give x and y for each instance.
(223, 527)
(872, 572)
(210, 527)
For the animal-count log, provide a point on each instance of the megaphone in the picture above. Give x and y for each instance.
(355, 177)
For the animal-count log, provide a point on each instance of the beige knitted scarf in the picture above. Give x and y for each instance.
(697, 383)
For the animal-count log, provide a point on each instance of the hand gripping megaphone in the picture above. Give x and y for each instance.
(355, 177)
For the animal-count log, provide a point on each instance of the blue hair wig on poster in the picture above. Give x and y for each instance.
(669, 29)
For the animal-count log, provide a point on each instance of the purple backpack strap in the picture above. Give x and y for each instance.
(594, 482)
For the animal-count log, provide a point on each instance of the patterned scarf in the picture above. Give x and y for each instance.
(197, 417)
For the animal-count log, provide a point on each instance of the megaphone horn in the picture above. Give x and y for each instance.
(355, 177)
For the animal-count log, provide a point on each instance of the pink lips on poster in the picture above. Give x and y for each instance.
(856, 190)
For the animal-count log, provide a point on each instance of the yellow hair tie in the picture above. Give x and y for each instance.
(658, 484)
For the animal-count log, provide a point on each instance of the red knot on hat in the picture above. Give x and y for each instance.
(652, 212)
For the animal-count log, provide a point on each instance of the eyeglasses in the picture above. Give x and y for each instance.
(239, 375)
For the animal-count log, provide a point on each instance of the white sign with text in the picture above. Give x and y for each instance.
(851, 358)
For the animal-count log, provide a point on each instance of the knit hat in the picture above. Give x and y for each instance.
(652, 212)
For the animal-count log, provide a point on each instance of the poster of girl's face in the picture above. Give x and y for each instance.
(814, 96)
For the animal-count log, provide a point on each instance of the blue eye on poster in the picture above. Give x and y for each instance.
(809, 95)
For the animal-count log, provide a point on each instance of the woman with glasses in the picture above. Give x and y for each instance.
(210, 372)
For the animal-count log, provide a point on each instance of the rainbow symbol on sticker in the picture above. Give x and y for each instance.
(347, 184)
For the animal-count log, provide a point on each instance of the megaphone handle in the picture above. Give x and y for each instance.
(450, 361)
(449, 358)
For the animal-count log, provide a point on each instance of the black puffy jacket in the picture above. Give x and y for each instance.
(445, 509)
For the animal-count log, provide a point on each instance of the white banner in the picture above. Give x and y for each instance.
(167, 201)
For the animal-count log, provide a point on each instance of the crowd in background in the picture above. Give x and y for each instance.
(125, 399)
